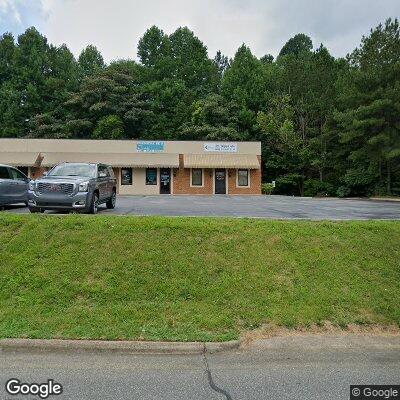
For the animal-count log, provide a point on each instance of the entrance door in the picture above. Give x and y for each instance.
(220, 181)
(165, 180)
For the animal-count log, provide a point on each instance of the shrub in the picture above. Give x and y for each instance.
(288, 184)
(314, 187)
(267, 188)
(343, 191)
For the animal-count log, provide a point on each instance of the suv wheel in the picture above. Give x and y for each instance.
(111, 201)
(94, 204)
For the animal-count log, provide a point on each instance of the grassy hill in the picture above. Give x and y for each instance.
(161, 278)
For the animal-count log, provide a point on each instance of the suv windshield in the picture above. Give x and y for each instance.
(88, 170)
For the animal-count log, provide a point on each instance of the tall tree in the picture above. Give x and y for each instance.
(7, 52)
(296, 45)
(325, 124)
(191, 62)
(22, 95)
(90, 61)
(222, 62)
(244, 81)
(109, 96)
(369, 112)
(154, 47)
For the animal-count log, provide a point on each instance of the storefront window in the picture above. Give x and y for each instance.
(197, 177)
(243, 177)
(151, 176)
(126, 176)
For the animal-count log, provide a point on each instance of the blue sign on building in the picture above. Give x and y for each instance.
(150, 147)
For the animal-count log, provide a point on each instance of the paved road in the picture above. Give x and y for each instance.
(291, 368)
(252, 206)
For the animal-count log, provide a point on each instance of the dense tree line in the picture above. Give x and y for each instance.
(327, 126)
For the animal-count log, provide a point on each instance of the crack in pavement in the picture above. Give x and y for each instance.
(211, 381)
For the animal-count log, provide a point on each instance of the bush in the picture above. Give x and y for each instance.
(343, 191)
(267, 188)
(288, 184)
(314, 187)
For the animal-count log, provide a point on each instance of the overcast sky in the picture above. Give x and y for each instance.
(115, 26)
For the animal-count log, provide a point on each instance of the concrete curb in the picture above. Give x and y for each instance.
(388, 200)
(127, 347)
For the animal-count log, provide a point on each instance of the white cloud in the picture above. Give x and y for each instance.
(47, 5)
(115, 26)
(9, 8)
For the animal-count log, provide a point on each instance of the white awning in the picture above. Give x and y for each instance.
(138, 160)
(248, 161)
(19, 159)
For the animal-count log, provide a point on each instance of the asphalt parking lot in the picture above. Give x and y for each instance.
(273, 207)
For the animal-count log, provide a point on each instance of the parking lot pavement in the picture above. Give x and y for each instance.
(273, 207)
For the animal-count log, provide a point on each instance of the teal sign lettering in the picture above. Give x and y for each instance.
(150, 147)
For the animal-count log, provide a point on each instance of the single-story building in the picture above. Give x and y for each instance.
(149, 167)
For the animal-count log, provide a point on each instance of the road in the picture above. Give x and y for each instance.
(280, 207)
(314, 367)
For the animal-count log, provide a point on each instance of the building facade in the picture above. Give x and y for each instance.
(149, 167)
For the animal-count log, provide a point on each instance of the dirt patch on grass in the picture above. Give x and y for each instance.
(327, 328)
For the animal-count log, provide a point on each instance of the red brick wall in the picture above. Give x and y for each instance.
(255, 182)
(182, 182)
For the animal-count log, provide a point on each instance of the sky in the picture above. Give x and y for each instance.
(115, 26)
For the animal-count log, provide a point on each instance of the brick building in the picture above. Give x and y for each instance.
(149, 167)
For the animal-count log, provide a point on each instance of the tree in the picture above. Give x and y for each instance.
(109, 127)
(111, 92)
(326, 125)
(213, 118)
(61, 80)
(90, 61)
(170, 104)
(191, 62)
(296, 45)
(369, 112)
(153, 47)
(222, 62)
(22, 94)
(284, 150)
(244, 81)
(7, 52)
(267, 59)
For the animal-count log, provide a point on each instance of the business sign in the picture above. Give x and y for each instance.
(221, 147)
(150, 147)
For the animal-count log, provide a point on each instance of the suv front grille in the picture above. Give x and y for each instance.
(55, 188)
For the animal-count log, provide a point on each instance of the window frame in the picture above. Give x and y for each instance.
(156, 175)
(191, 177)
(131, 182)
(248, 178)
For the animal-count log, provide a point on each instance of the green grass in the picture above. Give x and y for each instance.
(159, 278)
